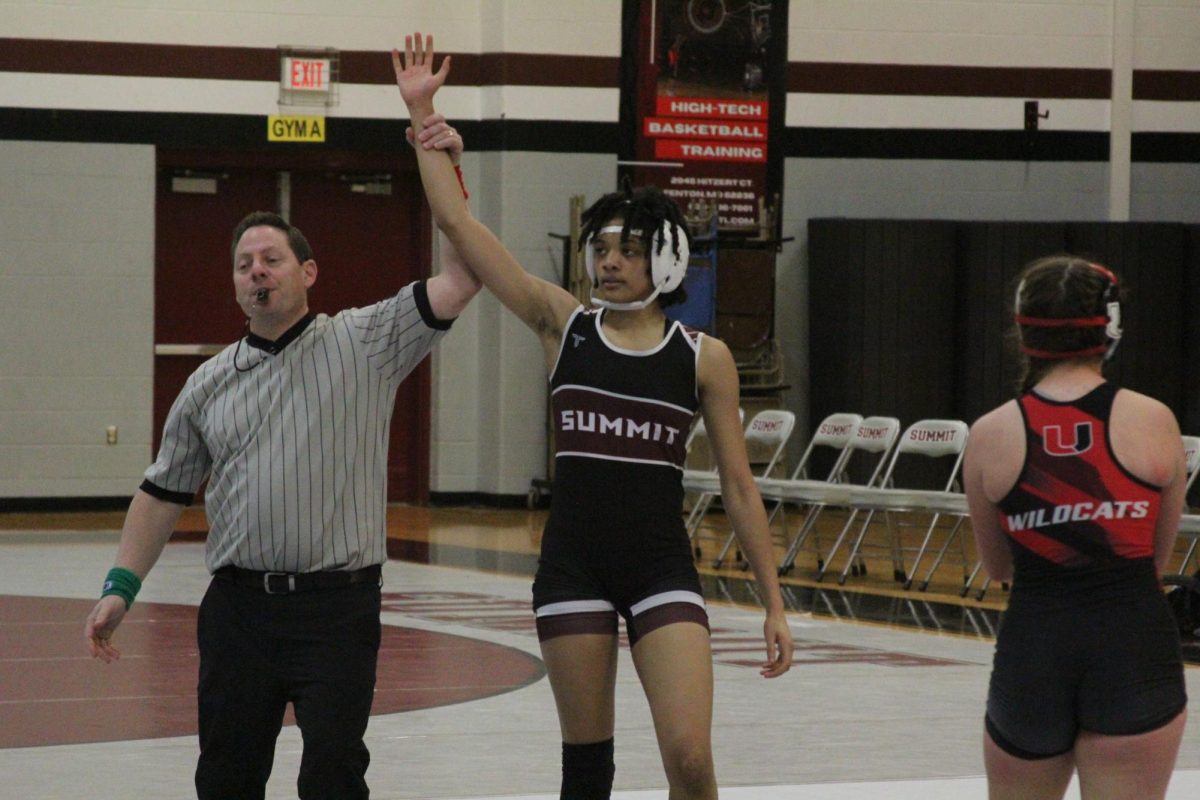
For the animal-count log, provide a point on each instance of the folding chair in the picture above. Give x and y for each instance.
(767, 435)
(878, 435)
(1191, 456)
(699, 433)
(987, 582)
(834, 432)
(930, 438)
(874, 435)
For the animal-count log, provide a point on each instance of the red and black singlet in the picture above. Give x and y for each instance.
(621, 421)
(1076, 517)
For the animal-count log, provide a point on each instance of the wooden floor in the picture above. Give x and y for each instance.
(507, 541)
(519, 532)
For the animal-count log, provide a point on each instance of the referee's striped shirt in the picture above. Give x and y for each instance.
(293, 437)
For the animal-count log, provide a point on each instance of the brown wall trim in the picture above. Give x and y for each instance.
(1160, 84)
(262, 64)
(529, 69)
(140, 60)
(951, 81)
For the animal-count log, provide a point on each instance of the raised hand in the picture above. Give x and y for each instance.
(414, 72)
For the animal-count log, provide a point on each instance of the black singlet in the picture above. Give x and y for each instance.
(1087, 641)
(615, 537)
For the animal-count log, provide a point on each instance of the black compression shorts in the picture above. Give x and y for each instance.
(1114, 670)
(577, 595)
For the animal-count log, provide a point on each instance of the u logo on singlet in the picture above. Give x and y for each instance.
(1054, 443)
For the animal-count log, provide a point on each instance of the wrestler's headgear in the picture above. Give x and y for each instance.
(1108, 316)
(668, 252)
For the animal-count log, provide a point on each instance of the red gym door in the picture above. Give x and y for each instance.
(368, 232)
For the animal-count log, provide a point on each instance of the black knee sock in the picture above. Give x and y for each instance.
(587, 771)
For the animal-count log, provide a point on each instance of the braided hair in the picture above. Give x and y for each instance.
(644, 209)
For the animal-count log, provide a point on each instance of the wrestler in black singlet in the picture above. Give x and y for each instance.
(615, 539)
(1087, 641)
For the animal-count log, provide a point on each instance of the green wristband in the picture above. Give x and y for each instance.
(123, 583)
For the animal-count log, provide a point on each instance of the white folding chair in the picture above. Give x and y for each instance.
(699, 433)
(834, 432)
(766, 437)
(1191, 455)
(929, 438)
(874, 436)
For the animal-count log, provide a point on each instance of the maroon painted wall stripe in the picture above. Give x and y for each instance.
(529, 69)
(1161, 84)
(262, 64)
(952, 81)
(144, 60)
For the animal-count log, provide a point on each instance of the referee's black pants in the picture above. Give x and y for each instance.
(258, 652)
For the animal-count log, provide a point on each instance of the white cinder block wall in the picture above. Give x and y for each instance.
(76, 316)
(77, 362)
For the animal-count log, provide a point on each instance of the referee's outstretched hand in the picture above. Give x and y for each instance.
(101, 624)
(437, 135)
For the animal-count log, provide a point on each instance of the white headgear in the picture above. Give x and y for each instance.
(666, 269)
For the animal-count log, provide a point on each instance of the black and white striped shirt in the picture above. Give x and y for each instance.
(293, 437)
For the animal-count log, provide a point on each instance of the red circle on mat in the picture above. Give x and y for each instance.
(56, 693)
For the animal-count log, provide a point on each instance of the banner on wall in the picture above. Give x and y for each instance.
(703, 84)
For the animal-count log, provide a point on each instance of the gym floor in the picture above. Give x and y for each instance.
(885, 698)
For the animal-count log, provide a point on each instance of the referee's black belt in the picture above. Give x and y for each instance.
(291, 582)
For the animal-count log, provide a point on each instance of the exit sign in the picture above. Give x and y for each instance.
(306, 74)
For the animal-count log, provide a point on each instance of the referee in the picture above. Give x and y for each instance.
(290, 427)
